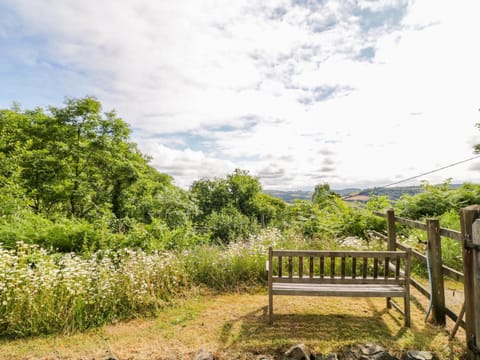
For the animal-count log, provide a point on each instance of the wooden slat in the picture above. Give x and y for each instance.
(322, 267)
(354, 268)
(357, 290)
(332, 266)
(364, 267)
(417, 255)
(290, 267)
(454, 317)
(451, 234)
(397, 268)
(379, 234)
(411, 223)
(319, 253)
(343, 268)
(300, 266)
(397, 307)
(375, 268)
(280, 265)
(310, 267)
(270, 284)
(408, 267)
(454, 274)
(420, 287)
(387, 265)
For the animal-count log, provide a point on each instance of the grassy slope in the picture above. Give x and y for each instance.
(235, 324)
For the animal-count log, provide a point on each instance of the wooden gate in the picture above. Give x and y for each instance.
(470, 222)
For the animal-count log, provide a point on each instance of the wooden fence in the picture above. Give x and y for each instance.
(469, 238)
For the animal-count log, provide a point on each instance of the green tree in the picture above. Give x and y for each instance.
(211, 195)
(76, 161)
(322, 194)
(243, 188)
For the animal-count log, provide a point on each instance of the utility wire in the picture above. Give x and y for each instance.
(413, 177)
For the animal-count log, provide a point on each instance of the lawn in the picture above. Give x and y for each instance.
(234, 325)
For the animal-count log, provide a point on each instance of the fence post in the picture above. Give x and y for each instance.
(391, 230)
(436, 271)
(392, 238)
(467, 216)
(476, 279)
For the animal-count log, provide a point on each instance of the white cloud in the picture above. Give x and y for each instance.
(186, 165)
(273, 87)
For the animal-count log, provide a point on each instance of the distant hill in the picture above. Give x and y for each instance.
(393, 193)
(290, 196)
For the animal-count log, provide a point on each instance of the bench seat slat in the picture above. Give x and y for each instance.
(357, 290)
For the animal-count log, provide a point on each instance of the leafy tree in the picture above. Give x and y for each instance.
(73, 160)
(211, 196)
(232, 207)
(267, 208)
(78, 162)
(322, 195)
(243, 188)
(228, 225)
(102, 163)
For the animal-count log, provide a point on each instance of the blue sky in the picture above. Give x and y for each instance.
(298, 92)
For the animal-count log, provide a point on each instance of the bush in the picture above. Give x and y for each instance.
(229, 225)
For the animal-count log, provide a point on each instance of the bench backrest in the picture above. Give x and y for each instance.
(338, 267)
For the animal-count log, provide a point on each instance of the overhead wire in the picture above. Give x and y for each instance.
(411, 178)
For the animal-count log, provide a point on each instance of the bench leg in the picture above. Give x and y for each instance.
(270, 308)
(407, 310)
(389, 304)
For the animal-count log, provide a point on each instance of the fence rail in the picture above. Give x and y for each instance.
(437, 268)
(469, 237)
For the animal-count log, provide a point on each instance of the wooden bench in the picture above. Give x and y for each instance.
(340, 273)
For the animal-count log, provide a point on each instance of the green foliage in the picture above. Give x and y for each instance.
(174, 207)
(228, 225)
(44, 293)
(333, 219)
(434, 200)
(322, 195)
(73, 161)
(378, 203)
(267, 208)
(227, 268)
(233, 207)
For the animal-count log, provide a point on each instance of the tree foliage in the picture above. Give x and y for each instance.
(322, 195)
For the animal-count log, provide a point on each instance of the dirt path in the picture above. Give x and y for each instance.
(234, 326)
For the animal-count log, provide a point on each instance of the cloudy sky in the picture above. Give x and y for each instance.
(298, 92)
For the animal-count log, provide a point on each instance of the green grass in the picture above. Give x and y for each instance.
(51, 293)
(42, 293)
(234, 325)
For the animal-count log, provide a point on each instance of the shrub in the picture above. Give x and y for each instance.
(229, 225)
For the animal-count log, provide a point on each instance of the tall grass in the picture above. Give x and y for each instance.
(43, 293)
